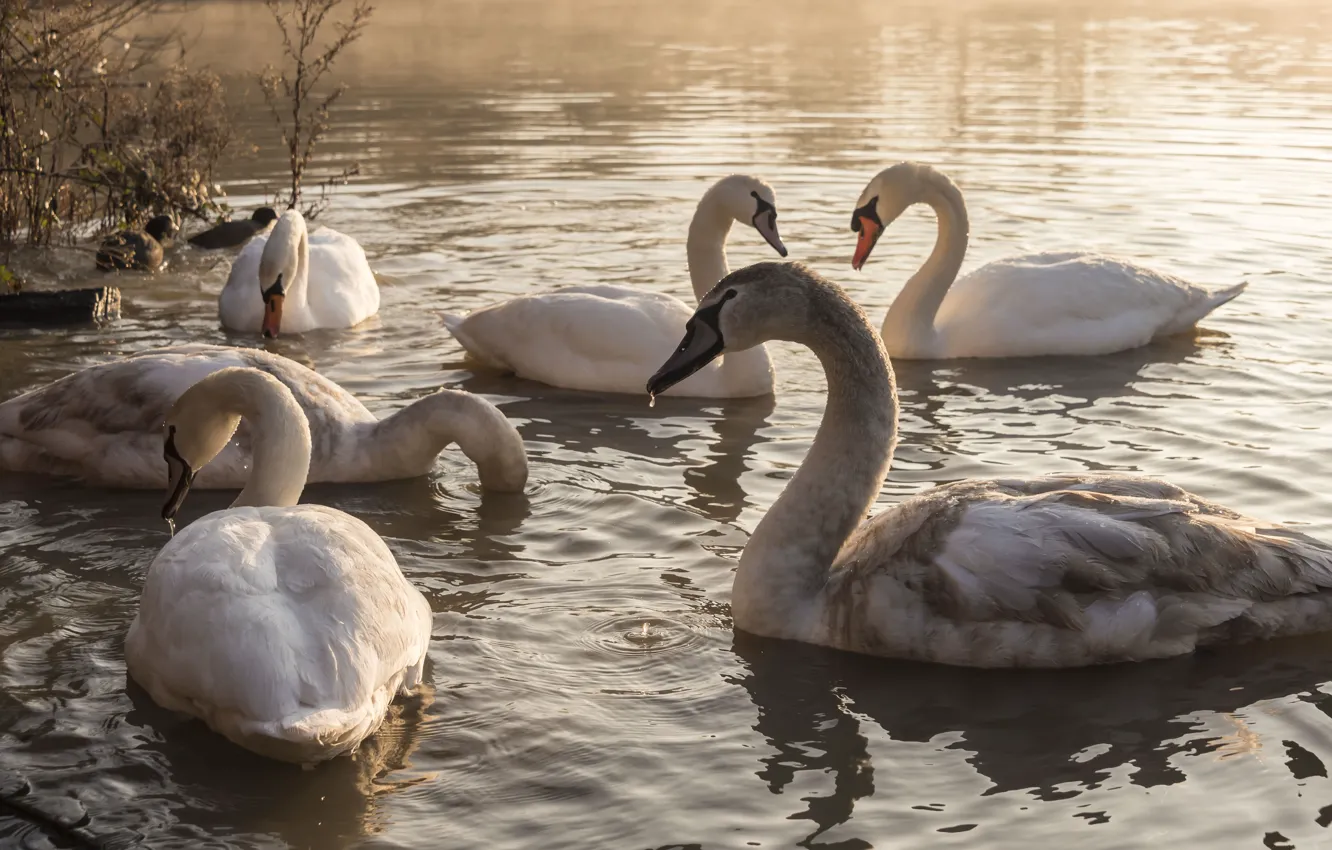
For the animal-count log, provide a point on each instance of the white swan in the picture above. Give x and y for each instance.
(610, 338)
(1022, 306)
(102, 424)
(292, 280)
(1050, 572)
(287, 628)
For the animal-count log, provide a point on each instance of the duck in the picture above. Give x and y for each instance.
(286, 628)
(229, 234)
(1028, 305)
(137, 249)
(608, 338)
(293, 280)
(1059, 571)
(100, 425)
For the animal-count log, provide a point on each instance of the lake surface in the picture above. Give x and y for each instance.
(507, 147)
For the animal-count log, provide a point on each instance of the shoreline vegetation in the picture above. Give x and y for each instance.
(100, 131)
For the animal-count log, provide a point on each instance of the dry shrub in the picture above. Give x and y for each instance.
(94, 133)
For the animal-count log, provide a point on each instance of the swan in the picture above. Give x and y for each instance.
(609, 338)
(287, 628)
(269, 288)
(1060, 571)
(102, 425)
(1021, 306)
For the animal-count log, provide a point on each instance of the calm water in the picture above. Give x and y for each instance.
(511, 146)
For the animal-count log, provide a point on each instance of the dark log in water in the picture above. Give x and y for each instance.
(62, 307)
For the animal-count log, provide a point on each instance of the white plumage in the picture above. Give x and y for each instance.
(1069, 303)
(609, 338)
(286, 628)
(327, 279)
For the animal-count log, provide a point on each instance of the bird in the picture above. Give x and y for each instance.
(135, 249)
(293, 280)
(1053, 303)
(608, 338)
(1056, 571)
(286, 628)
(100, 425)
(229, 234)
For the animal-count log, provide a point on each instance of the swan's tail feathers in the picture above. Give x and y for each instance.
(452, 321)
(1196, 311)
(457, 325)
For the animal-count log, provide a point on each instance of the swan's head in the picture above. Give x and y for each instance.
(198, 426)
(885, 198)
(278, 265)
(749, 201)
(264, 216)
(746, 308)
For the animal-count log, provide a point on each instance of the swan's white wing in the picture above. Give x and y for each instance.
(103, 423)
(240, 305)
(1067, 303)
(1072, 570)
(288, 630)
(602, 338)
(342, 289)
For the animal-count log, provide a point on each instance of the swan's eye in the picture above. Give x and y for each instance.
(727, 296)
(869, 211)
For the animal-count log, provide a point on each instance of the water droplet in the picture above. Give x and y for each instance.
(171, 526)
(652, 399)
(645, 629)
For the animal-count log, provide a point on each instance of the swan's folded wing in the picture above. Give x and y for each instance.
(591, 338)
(1066, 551)
(97, 415)
(270, 621)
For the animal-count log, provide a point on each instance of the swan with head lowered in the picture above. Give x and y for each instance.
(1033, 304)
(102, 424)
(610, 338)
(1061, 571)
(292, 280)
(287, 628)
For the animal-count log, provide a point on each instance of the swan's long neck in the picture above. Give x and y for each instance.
(706, 247)
(279, 437)
(786, 563)
(706, 250)
(405, 444)
(298, 293)
(910, 320)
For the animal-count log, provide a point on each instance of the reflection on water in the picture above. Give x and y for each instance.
(587, 689)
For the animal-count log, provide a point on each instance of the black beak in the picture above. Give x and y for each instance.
(179, 476)
(765, 222)
(701, 345)
(180, 488)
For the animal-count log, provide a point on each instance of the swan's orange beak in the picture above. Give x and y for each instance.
(869, 234)
(272, 315)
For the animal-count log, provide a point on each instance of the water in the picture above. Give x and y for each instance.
(511, 146)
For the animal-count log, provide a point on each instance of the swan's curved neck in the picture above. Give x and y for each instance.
(786, 562)
(297, 294)
(706, 247)
(405, 444)
(910, 320)
(279, 437)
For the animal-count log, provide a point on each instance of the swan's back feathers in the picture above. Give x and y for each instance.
(1094, 568)
(104, 423)
(597, 338)
(1068, 303)
(287, 629)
